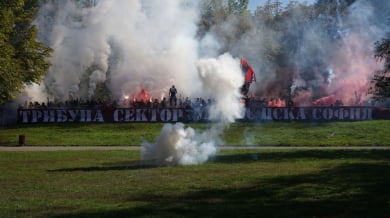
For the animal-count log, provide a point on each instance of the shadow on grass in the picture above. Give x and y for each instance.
(128, 165)
(346, 190)
(349, 190)
(10, 142)
(289, 155)
(246, 156)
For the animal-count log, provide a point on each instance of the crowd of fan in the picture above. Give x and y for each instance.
(125, 103)
(155, 103)
(73, 103)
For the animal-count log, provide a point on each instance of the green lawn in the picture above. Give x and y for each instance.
(236, 183)
(364, 133)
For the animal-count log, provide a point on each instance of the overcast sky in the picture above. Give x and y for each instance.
(254, 3)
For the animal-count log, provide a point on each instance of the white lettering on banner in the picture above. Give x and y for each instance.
(249, 114)
(349, 113)
(266, 113)
(129, 115)
(24, 115)
(154, 116)
(301, 114)
(308, 113)
(88, 116)
(36, 115)
(315, 114)
(140, 115)
(278, 113)
(118, 115)
(73, 114)
(98, 117)
(147, 115)
(164, 115)
(181, 114)
(178, 114)
(327, 113)
(60, 116)
(49, 116)
(83, 116)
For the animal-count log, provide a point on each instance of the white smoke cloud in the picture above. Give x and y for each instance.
(136, 45)
(178, 145)
(152, 44)
(96, 77)
(131, 44)
(221, 79)
(79, 42)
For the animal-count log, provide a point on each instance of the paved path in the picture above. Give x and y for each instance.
(135, 148)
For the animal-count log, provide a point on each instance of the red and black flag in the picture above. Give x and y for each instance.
(249, 76)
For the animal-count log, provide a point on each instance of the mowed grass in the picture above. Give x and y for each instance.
(364, 133)
(235, 183)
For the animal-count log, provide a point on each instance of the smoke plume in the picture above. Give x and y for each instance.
(178, 145)
(310, 52)
(125, 45)
(221, 79)
(130, 46)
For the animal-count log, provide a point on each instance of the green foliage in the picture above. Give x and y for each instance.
(237, 6)
(281, 33)
(22, 58)
(270, 12)
(217, 15)
(381, 79)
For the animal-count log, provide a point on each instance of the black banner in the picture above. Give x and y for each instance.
(309, 113)
(252, 114)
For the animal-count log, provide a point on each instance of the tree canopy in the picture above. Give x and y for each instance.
(381, 79)
(23, 59)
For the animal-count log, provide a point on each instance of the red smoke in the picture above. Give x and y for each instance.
(343, 78)
(353, 64)
(325, 101)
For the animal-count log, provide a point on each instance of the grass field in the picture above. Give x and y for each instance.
(365, 133)
(236, 183)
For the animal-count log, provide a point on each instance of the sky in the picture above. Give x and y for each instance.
(254, 3)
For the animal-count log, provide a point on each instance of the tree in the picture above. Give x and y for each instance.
(381, 80)
(237, 6)
(227, 20)
(23, 60)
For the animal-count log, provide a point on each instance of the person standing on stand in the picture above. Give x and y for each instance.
(172, 96)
